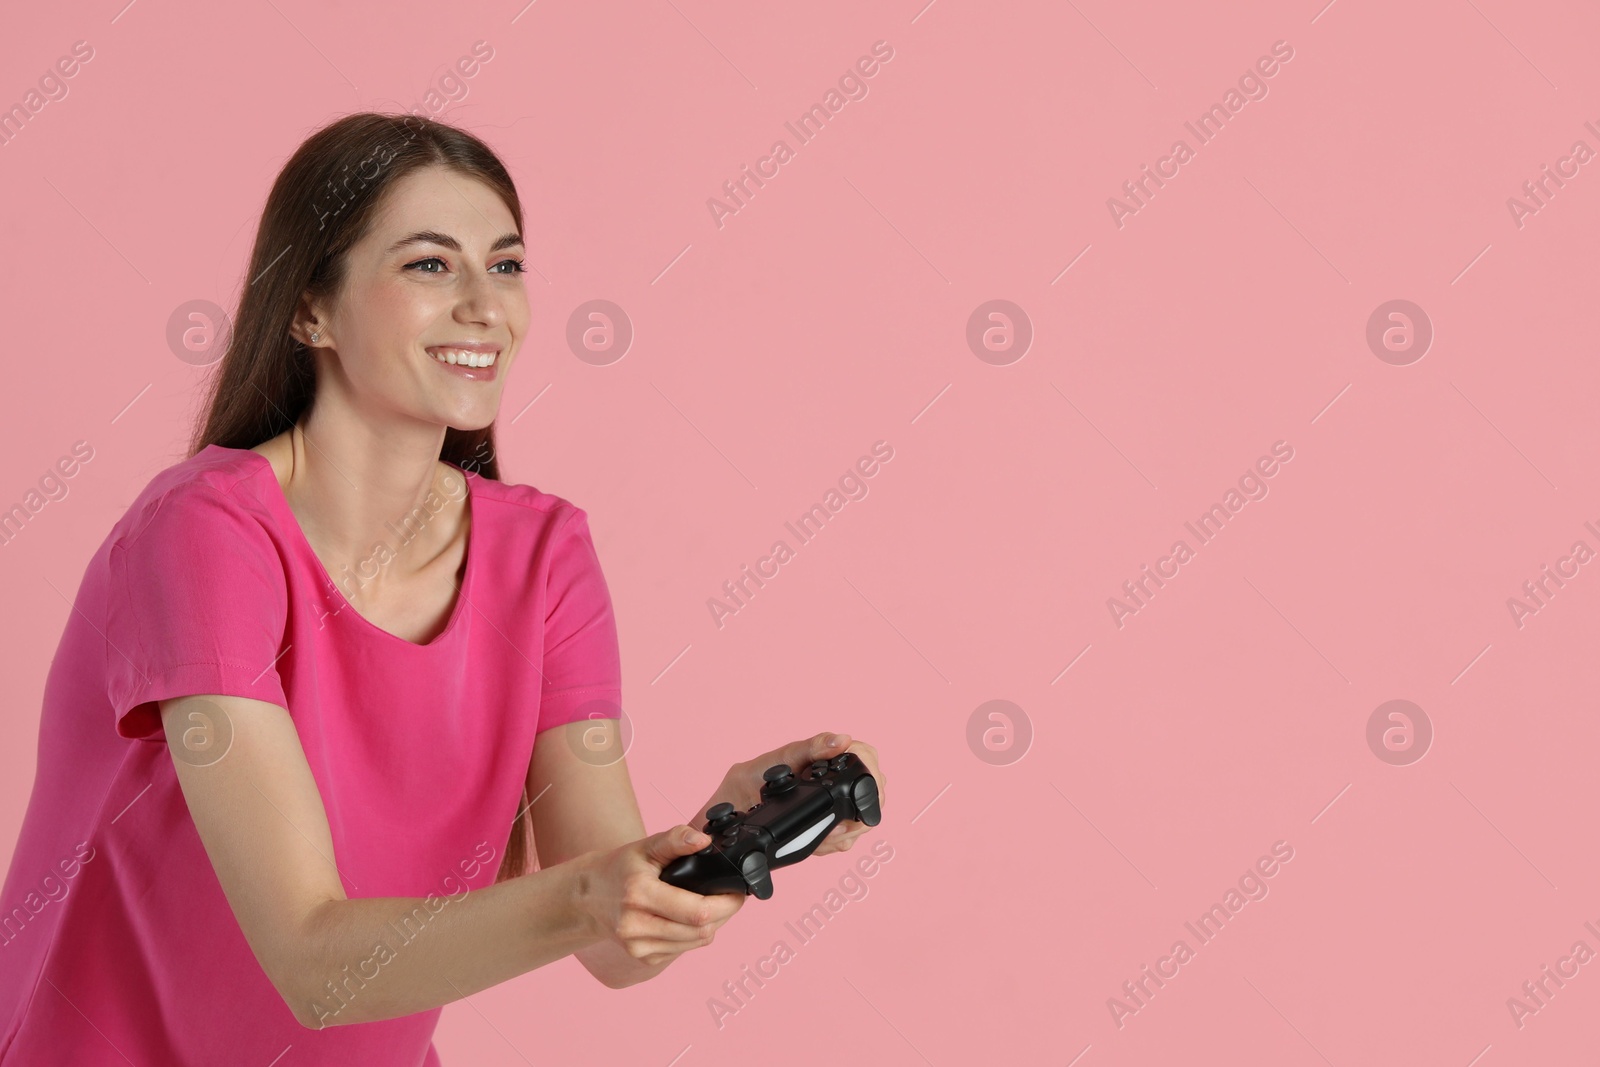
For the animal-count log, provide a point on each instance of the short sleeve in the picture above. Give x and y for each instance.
(582, 663)
(196, 603)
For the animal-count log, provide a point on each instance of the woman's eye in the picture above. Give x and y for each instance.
(420, 262)
(515, 265)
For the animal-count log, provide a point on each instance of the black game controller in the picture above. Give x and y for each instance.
(790, 821)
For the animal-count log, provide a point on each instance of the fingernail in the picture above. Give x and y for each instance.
(834, 739)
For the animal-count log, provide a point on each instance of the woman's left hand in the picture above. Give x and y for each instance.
(741, 786)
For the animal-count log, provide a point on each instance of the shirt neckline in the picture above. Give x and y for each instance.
(286, 513)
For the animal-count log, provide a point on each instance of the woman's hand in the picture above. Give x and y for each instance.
(625, 900)
(741, 786)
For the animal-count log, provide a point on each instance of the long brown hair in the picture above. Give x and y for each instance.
(323, 202)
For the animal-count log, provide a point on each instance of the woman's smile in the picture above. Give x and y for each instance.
(475, 361)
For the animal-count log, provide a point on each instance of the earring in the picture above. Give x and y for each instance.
(314, 336)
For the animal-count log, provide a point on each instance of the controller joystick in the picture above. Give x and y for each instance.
(779, 780)
(785, 827)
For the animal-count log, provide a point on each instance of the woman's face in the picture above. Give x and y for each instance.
(406, 296)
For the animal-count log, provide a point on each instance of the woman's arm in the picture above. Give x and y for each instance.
(261, 819)
(584, 803)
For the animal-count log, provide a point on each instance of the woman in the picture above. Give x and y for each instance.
(293, 716)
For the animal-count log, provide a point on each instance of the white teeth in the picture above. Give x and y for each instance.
(456, 356)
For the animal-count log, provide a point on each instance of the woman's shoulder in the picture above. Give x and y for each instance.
(526, 517)
(522, 502)
(215, 485)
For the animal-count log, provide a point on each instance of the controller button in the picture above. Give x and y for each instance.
(841, 761)
(722, 815)
(780, 780)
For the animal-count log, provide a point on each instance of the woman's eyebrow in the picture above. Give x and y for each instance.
(505, 240)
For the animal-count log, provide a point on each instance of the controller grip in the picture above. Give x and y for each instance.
(693, 872)
(757, 878)
(864, 794)
(708, 871)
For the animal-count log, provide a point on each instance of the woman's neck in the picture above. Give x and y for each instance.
(351, 493)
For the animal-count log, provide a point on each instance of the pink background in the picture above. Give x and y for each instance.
(831, 312)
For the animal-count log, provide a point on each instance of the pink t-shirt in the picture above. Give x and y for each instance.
(116, 941)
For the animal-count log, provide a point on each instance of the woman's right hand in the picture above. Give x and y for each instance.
(625, 900)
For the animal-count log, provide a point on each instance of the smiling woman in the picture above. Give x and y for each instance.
(275, 774)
